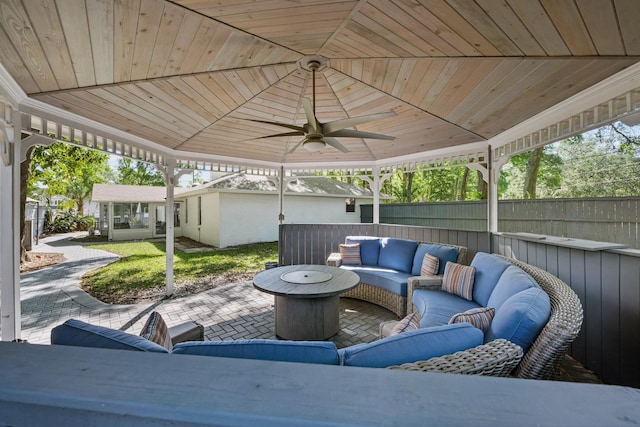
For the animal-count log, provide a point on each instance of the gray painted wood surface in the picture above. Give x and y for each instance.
(608, 285)
(312, 243)
(605, 219)
(74, 386)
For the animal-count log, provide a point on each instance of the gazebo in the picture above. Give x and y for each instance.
(190, 84)
(235, 86)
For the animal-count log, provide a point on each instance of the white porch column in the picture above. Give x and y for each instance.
(169, 235)
(10, 315)
(377, 185)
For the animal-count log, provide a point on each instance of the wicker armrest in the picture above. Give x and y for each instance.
(421, 282)
(334, 260)
(496, 358)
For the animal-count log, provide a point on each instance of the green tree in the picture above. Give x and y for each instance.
(67, 170)
(133, 172)
(516, 181)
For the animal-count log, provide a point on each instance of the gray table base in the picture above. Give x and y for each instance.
(307, 319)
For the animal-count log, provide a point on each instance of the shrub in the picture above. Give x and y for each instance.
(66, 222)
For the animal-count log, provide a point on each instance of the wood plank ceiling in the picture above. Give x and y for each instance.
(187, 74)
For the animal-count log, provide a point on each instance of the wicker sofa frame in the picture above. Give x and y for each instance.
(545, 355)
(382, 297)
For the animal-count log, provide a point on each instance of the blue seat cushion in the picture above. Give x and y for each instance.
(521, 318)
(437, 307)
(319, 352)
(512, 281)
(397, 254)
(442, 252)
(369, 248)
(78, 333)
(412, 346)
(391, 280)
(489, 268)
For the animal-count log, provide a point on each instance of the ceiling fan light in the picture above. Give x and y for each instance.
(313, 145)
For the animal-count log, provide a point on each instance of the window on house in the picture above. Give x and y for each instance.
(130, 215)
(199, 210)
(351, 205)
(186, 211)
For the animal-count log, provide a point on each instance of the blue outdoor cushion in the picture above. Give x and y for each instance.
(437, 307)
(408, 347)
(321, 352)
(369, 248)
(397, 254)
(489, 268)
(512, 281)
(78, 333)
(442, 252)
(521, 318)
(391, 280)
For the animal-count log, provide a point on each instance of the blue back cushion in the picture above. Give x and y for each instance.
(78, 333)
(408, 347)
(489, 268)
(521, 318)
(442, 252)
(284, 351)
(512, 281)
(397, 254)
(369, 248)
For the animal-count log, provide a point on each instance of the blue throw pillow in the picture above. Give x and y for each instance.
(442, 252)
(369, 248)
(397, 254)
(489, 268)
(78, 333)
(521, 318)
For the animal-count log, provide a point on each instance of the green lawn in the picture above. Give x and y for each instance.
(143, 266)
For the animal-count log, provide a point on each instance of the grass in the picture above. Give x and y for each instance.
(142, 268)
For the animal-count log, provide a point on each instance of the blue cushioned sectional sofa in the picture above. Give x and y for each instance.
(386, 265)
(522, 307)
(409, 347)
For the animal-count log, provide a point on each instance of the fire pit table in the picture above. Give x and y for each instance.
(306, 299)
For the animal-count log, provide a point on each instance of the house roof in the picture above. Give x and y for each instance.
(236, 182)
(129, 193)
(185, 78)
(320, 186)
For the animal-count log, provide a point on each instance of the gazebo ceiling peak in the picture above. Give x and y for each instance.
(180, 79)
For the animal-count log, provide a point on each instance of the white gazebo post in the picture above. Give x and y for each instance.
(376, 186)
(10, 152)
(170, 178)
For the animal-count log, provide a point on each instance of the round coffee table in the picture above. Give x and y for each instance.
(306, 299)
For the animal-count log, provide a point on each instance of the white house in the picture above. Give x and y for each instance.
(230, 210)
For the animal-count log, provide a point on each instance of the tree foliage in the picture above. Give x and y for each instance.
(66, 170)
(133, 172)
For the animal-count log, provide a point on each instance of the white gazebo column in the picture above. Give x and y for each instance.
(376, 187)
(170, 178)
(10, 315)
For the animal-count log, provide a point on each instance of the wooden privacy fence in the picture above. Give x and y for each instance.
(605, 219)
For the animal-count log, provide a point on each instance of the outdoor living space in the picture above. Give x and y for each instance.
(366, 91)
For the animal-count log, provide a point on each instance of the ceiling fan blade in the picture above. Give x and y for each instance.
(295, 147)
(295, 133)
(311, 118)
(284, 125)
(353, 121)
(348, 133)
(335, 144)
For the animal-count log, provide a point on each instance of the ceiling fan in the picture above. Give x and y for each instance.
(318, 135)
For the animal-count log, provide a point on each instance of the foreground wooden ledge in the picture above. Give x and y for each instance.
(69, 386)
